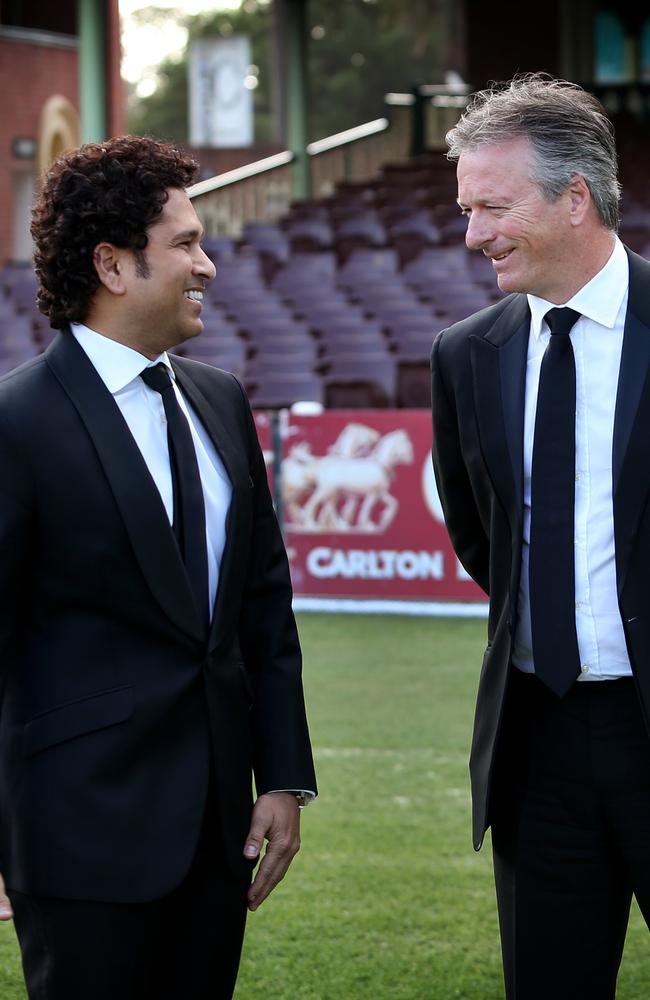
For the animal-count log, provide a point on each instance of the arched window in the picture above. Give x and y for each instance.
(59, 130)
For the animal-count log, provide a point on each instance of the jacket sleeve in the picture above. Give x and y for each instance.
(17, 528)
(462, 515)
(16, 516)
(269, 642)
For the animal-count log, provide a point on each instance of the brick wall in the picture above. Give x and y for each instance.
(29, 74)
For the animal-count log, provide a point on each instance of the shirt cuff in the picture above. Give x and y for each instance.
(304, 796)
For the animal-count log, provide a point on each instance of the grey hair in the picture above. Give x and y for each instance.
(567, 127)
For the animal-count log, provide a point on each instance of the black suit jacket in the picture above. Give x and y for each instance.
(479, 377)
(114, 703)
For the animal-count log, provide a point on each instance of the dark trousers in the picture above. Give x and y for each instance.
(570, 836)
(186, 945)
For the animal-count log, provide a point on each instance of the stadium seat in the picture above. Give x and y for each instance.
(370, 375)
(229, 356)
(309, 234)
(283, 390)
(298, 360)
(327, 314)
(219, 248)
(364, 261)
(413, 383)
(284, 344)
(413, 346)
(333, 344)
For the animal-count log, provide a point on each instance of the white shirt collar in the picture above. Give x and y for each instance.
(599, 300)
(116, 364)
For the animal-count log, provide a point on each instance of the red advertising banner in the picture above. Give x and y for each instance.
(361, 511)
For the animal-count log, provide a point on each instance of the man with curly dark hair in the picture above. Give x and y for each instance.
(149, 655)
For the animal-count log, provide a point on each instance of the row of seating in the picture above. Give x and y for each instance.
(344, 323)
(23, 330)
(340, 301)
(327, 304)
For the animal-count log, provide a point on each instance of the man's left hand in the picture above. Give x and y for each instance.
(276, 817)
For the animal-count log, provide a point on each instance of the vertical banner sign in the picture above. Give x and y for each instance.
(361, 510)
(221, 107)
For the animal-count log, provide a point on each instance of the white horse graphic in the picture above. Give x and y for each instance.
(346, 490)
(299, 469)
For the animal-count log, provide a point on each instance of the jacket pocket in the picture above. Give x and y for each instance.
(75, 718)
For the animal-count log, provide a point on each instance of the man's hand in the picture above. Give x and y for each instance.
(276, 817)
(6, 913)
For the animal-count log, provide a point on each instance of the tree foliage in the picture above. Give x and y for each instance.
(165, 112)
(357, 51)
(368, 48)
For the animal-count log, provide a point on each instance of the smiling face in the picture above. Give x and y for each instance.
(533, 243)
(161, 307)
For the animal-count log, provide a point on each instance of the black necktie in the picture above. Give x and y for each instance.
(552, 570)
(189, 509)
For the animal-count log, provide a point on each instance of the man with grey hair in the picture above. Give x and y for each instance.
(541, 405)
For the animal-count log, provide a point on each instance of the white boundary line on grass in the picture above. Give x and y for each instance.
(434, 609)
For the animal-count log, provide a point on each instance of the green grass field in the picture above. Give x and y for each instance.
(387, 900)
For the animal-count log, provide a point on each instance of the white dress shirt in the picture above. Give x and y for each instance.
(119, 368)
(597, 340)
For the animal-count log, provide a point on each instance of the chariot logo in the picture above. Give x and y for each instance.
(375, 564)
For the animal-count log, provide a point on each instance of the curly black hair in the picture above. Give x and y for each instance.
(111, 191)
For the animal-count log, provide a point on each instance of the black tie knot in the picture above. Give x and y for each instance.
(156, 377)
(561, 320)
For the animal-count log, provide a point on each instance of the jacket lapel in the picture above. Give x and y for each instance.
(135, 492)
(499, 375)
(499, 380)
(631, 447)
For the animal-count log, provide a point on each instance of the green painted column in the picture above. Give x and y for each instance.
(92, 72)
(297, 87)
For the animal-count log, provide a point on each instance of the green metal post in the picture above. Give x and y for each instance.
(92, 71)
(418, 128)
(297, 93)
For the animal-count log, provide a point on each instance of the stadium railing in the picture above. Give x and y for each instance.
(262, 191)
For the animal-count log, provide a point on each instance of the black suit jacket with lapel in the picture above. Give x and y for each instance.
(478, 391)
(116, 706)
